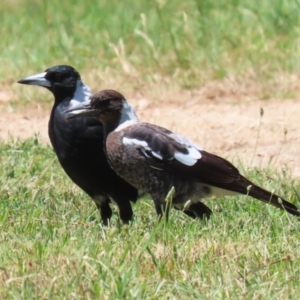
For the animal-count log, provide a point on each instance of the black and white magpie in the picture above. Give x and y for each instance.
(78, 143)
(154, 159)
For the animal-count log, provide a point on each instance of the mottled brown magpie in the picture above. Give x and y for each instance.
(78, 143)
(154, 159)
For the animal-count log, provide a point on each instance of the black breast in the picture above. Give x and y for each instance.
(78, 144)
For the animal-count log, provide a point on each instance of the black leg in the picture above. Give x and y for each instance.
(125, 211)
(105, 211)
(187, 212)
(159, 211)
(198, 210)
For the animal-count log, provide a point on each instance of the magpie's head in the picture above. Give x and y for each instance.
(61, 80)
(103, 105)
(107, 106)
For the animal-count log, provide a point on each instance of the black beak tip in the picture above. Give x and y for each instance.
(24, 81)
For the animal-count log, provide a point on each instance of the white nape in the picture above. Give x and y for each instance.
(128, 116)
(82, 95)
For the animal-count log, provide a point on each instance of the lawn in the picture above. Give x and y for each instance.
(185, 42)
(52, 245)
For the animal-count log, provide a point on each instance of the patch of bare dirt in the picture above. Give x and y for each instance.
(227, 125)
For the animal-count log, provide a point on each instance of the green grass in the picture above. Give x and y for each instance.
(53, 247)
(181, 42)
(51, 243)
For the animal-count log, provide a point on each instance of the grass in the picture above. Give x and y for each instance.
(51, 243)
(53, 247)
(166, 42)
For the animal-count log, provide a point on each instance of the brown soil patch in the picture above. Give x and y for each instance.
(227, 126)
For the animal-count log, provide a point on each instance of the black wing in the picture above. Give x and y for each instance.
(161, 147)
(167, 151)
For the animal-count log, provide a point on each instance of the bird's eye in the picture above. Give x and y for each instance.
(58, 77)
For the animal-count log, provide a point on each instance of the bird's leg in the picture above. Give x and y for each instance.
(196, 211)
(188, 212)
(199, 210)
(125, 210)
(105, 211)
(158, 208)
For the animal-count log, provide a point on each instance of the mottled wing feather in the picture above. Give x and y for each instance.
(156, 144)
(164, 147)
(166, 151)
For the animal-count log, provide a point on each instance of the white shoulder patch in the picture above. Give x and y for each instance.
(144, 147)
(190, 158)
(182, 140)
(128, 141)
(157, 155)
(193, 154)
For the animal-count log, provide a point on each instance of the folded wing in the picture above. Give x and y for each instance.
(167, 151)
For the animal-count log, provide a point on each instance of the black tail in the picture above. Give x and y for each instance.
(273, 199)
(218, 172)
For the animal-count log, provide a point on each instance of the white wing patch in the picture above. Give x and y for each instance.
(193, 154)
(143, 144)
(157, 155)
(189, 158)
(128, 141)
(182, 140)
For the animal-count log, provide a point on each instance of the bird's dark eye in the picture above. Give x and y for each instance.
(58, 77)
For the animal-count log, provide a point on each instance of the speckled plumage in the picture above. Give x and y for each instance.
(154, 159)
(150, 178)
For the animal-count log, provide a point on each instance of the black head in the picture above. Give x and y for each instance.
(61, 80)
